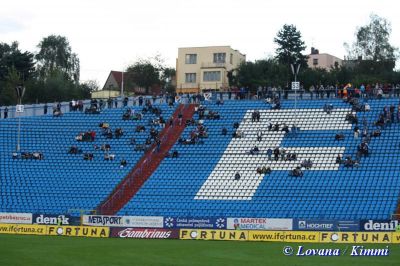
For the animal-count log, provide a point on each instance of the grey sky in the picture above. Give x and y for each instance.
(109, 35)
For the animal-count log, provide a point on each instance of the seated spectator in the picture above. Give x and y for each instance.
(37, 155)
(266, 170)
(270, 126)
(92, 110)
(104, 125)
(363, 148)
(26, 155)
(276, 153)
(79, 137)
(57, 112)
(123, 163)
(119, 132)
(88, 156)
(224, 132)
(255, 150)
(175, 154)
(367, 107)
(219, 102)
(285, 128)
(296, 172)
(237, 134)
(132, 141)
(213, 115)
(307, 164)
(15, 155)
(106, 147)
(376, 133)
(328, 108)
(236, 125)
(350, 117)
(190, 122)
(74, 150)
(339, 136)
(291, 157)
(348, 162)
(109, 157)
(339, 159)
(276, 127)
(237, 176)
(259, 170)
(140, 128)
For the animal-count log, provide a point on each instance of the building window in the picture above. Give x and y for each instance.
(190, 77)
(315, 61)
(219, 57)
(231, 59)
(191, 59)
(212, 76)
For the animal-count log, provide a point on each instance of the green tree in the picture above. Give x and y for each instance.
(143, 74)
(7, 94)
(290, 46)
(167, 75)
(372, 41)
(11, 57)
(55, 55)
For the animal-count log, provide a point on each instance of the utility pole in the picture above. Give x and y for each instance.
(295, 86)
(19, 108)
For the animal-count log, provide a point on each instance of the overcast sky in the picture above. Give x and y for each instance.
(109, 35)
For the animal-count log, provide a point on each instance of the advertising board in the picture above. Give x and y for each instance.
(259, 224)
(207, 234)
(130, 232)
(195, 222)
(123, 221)
(86, 231)
(15, 218)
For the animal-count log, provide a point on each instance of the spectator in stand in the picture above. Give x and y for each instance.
(339, 136)
(356, 132)
(276, 153)
(6, 112)
(237, 176)
(269, 153)
(283, 154)
(307, 164)
(118, 133)
(45, 109)
(259, 135)
(296, 172)
(123, 163)
(109, 103)
(339, 159)
(224, 132)
(180, 116)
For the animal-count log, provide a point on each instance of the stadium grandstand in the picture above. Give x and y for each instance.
(212, 156)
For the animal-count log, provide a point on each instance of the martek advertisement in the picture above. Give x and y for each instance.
(259, 224)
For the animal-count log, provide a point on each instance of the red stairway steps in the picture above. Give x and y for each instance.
(145, 167)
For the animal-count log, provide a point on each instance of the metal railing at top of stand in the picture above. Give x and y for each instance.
(38, 109)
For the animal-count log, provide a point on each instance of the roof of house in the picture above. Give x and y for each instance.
(117, 75)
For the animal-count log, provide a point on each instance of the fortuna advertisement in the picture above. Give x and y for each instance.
(123, 221)
(144, 233)
(259, 224)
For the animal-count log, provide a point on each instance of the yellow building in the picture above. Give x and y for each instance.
(202, 68)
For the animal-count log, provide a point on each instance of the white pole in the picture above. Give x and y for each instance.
(295, 103)
(122, 84)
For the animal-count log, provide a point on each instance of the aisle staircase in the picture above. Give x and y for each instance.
(145, 167)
